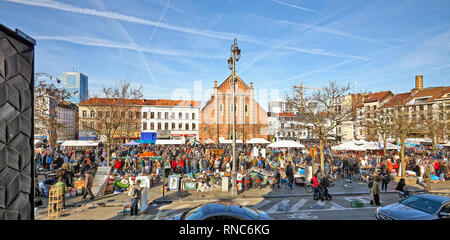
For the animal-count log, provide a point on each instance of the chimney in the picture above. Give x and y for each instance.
(419, 82)
(251, 85)
(215, 84)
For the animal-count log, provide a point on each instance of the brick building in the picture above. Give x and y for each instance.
(217, 118)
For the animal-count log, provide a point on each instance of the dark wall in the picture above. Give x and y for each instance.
(16, 126)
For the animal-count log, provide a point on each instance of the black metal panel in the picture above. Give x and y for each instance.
(16, 126)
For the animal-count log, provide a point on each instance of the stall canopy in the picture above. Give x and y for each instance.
(379, 146)
(37, 142)
(79, 143)
(147, 154)
(208, 141)
(229, 141)
(349, 146)
(131, 143)
(257, 141)
(286, 144)
(168, 142)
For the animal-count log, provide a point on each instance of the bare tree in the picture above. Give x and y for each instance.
(401, 126)
(109, 118)
(433, 128)
(329, 112)
(378, 126)
(47, 98)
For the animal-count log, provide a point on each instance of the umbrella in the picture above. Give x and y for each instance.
(147, 154)
(131, 143)
(286, 144)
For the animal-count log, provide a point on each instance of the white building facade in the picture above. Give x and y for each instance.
(177, 121)
(67, 116)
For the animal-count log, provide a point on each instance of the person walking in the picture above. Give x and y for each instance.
(290, 175)
(277, 176)
(315, 186)
(325, 183)
(135, 194)
(88, 182)
(376, 191)
(385, 180)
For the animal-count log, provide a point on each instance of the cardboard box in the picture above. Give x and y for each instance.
(109, 188)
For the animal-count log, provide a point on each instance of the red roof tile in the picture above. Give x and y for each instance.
(285, 114)
(398, 99)
(140, 102)
(378, 97)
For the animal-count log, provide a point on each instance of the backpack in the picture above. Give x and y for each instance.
(370, 184)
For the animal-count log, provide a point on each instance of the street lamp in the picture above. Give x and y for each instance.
(235, 55)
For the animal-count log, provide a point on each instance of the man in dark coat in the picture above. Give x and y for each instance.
(290, 175)
(324, 185)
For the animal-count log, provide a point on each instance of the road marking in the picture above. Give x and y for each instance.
(302, 215)
(298, 205)
(335, 206)
(361, 199)
(275, 207)
(320, 203)
(259, 205)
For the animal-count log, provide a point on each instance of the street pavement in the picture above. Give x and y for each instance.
(266, 198)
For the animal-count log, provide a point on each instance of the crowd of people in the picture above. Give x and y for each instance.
(200, 158)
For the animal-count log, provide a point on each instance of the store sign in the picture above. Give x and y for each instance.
(163, 134)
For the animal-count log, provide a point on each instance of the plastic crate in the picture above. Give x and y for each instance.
(356, 204)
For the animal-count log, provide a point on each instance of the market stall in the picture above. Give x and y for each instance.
(257, 141)
(79, 144)
(169, 142)
(286, 144)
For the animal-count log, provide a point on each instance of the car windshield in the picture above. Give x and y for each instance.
(422, 204)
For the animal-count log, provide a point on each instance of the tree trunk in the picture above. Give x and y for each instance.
(384, 144)
(322, 156)
(403, 165)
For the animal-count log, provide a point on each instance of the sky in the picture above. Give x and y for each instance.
(170, 46)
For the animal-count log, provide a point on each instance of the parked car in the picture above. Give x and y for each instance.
(417, 207)
(221, 211)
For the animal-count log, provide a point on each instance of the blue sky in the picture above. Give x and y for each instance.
(168, 45)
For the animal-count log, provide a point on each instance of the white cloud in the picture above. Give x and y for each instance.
(293, 6)
(97, 42)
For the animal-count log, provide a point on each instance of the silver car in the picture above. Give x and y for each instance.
(417, 207)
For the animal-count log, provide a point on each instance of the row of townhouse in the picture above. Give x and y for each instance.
(421, 104)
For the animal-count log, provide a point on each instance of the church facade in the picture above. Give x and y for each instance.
(217, 115)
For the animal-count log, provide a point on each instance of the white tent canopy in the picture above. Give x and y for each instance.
(79, 143)
(229, 141)
(349, 146)
(169, 142)
(286, 144)
(37, 141)
(208, 141)
(258, 141)
(380, 146)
